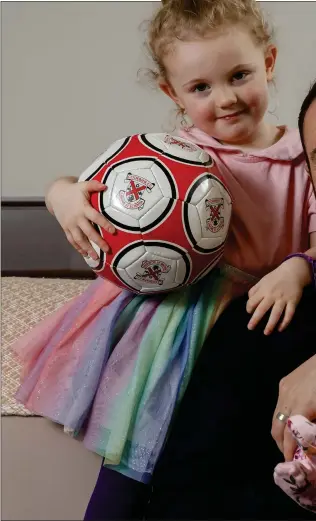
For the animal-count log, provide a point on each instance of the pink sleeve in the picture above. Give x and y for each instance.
(311, 210)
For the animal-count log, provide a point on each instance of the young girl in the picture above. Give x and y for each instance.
(101, 361)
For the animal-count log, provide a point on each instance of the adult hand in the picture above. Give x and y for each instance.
(297, 395)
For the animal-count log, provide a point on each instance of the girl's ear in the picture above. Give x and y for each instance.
(167, 89)
(270, 59)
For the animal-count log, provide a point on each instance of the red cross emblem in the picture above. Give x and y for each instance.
(215, 206)
(131, 198)
(153, 273)
(215, 212)
(135, 191)
(153, 270)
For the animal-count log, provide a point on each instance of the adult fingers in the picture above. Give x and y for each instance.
(277, 428)
(277, 432)
(289, 444)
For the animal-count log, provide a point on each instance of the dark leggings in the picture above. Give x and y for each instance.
(219, 458)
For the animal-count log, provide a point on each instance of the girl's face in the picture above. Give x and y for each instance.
(222, 83)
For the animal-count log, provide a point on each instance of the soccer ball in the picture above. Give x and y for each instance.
(170, 206)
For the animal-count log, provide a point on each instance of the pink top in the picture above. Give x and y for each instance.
(274, 205)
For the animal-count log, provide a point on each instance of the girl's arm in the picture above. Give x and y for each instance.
(51, 190)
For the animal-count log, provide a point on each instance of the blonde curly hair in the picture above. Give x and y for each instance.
(184, 19)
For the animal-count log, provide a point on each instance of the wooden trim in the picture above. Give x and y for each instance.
(26, 201)
(50, 274)
(34, 244)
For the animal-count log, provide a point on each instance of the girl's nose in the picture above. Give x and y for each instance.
(224, 97)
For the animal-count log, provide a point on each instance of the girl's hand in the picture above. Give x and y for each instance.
(280, 290)
(69, 202)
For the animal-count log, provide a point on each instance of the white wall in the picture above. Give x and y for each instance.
(69, 82)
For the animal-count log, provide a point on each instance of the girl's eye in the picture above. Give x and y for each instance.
(201, 87)
(240, 76)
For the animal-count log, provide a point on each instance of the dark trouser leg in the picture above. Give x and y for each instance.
(218, 461)
(116, 497)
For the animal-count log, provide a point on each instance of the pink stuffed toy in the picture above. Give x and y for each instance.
(297, 478)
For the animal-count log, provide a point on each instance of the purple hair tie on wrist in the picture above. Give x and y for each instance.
(311, 262)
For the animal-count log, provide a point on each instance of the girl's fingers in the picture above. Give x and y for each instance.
(93, 236)
(253, 290)
(288, 315)
(93, 186)
(96, 217)
(254, 302)
(83, 244)
(275, 316)
(74, 244)
(259, 313)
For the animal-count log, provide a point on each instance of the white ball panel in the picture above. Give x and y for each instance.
(91, 262)
(202, 190)
(114, 148)
(214, 213)
(195, 222)
(166, 253)
(102, 158)
(106, 196)
(154, 214)
(178, 147)
(202, 239)
(211, 242)
(157, 289)
(129, 165)
(152, 267)
(225, 194)
(122, 218)
(211, 212)
(153, 289)
(128, 280)
(162, 181)
(205, 158)
(153, 271)
(182, 148)
(180, 271)
(132, 256)
(135, 192)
